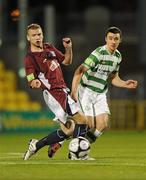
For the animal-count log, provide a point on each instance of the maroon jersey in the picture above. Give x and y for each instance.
(45, 66)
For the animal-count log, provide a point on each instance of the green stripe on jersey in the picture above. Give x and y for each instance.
(110, 63)
(101, 64)
(96, 79)
(93, 88)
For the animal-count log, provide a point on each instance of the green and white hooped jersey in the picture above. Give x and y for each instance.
(101, 64)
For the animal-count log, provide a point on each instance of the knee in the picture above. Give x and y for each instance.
(106, 126)
(68, 130)
(79, 118)
(102, 123)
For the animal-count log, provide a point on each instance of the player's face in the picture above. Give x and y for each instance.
(35, 37)
(112, 41)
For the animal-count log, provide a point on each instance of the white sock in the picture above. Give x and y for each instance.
(97, 133)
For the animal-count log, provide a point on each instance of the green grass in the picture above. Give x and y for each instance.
(120, 155)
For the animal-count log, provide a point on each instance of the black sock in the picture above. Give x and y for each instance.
(91, 137)
(52, 138)
(80, 130)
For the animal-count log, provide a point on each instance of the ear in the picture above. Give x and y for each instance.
(105, 39)
(28, 38)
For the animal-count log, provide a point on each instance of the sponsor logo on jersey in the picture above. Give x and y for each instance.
(54, 65)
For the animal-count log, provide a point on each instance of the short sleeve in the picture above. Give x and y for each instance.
(92, 60)
(29, 69)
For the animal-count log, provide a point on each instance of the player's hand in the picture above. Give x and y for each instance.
(131, 84)
(35, 83)
(67, 43)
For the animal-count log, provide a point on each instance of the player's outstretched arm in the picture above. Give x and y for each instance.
(129, 84)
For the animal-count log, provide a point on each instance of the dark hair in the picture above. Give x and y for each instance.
(114, 30)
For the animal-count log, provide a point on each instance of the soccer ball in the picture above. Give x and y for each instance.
(79, 148)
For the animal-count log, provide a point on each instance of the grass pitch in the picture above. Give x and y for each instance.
(120, 155)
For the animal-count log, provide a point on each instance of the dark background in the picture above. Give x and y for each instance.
(85, 21)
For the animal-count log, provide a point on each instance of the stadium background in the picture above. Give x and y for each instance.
(119, 153)
(23, 109)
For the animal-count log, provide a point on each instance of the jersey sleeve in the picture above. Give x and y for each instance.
(118, 64)
(117, 68)
(92, 60)
(29, 69)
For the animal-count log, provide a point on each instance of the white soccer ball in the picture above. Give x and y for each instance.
(79, 148)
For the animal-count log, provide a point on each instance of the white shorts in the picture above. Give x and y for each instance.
(91, 103)
(55, 103)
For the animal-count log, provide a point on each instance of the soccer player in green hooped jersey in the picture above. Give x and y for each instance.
(91, 78)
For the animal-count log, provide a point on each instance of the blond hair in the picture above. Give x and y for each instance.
(33, 26)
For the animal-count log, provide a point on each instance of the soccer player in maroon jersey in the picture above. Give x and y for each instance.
(43, 70)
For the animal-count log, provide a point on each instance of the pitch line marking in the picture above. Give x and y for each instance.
(11, 155)
(71, 163)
